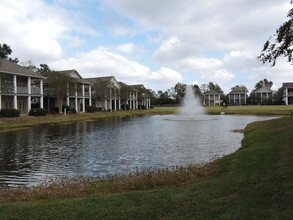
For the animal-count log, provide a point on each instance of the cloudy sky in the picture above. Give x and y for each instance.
(154, 42)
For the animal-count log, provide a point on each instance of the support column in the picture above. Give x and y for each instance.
(83, 99)
(15, 92)
(83, 104)
(286, 96)
(119, 104)
(0, 101)
(29, 103)
(115, 100)
(67, 95)
(130, 101)
(29, 89)
(106, 104)
(90, 95)
(42, 93)
(76, 105)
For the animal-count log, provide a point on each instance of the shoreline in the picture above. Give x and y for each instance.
(253, 181)
(25, 121)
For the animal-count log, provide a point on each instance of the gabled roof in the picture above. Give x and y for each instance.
(237, 92)
(138, 87)
(105, 79)
(9, 67)
(124, 85)
(263, 89)
(288, 85)
(75, 74)
(212, 92)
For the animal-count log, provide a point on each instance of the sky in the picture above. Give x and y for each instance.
(157, 43)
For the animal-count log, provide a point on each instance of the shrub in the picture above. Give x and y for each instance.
(11, 112)
(151, 106)
(38, 112)
(90, 109)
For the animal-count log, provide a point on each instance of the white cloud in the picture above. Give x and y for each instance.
(131, 48)
(218, 76)
(103, 63)
(200, 64)
(38, 31)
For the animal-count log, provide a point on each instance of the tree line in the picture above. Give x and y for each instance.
(175, 95)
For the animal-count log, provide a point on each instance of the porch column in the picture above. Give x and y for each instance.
(83, 104)
(90, 95)
(0, 101)
(286, 96)
(83, 99)
(67, 95)
(214, 99)
(29, 103)
(130, 101)
(106, 104)
(42, 93)
(15, 92)
(76, 106)
(119, 104)
(29, 89)
(115, 100)
(209, 100)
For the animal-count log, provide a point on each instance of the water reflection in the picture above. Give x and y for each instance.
(114, 145)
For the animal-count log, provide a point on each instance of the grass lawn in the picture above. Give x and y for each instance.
(28, 121)
(255, 182)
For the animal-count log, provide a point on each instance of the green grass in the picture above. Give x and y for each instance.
(255, 182)
(252, 110)
(28, 121)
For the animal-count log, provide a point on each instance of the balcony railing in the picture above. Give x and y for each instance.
(35, 90)
(22, 90)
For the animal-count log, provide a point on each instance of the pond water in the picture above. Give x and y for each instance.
(115, 145)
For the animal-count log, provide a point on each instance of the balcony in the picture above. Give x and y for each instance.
(22, 90)
(36, 90)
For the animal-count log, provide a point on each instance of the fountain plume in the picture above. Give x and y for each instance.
(191, 106)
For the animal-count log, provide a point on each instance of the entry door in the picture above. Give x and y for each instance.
(21, 107)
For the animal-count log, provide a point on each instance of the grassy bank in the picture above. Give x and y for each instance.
(253, 183)
(28, 121)
(283, 110)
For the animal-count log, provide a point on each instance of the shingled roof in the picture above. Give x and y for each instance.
(9, 67)
(288, 85)
(211, 92)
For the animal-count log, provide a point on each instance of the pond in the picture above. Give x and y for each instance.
(115, 145)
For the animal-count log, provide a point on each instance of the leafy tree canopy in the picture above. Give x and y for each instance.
(280, 44)
(239, 88)
(5, 52)
(216, 87)
(263, 83)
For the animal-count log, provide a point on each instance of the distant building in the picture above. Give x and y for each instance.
(263, 95)
(212, 97)
(106, 93)
(144, 99)
(237, 98)
(78, 95)
(288, 93)
(129, 97)
(20, 88)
